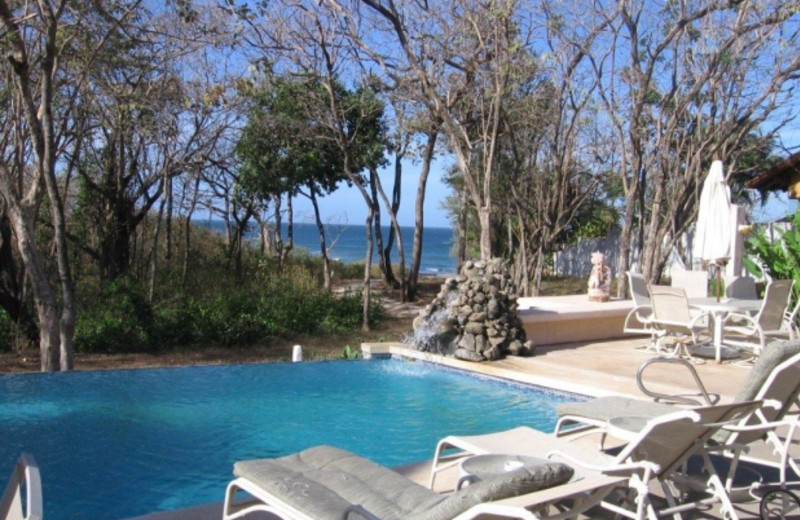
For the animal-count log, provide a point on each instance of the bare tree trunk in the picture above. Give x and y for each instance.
(419, 217)
(463, 220)
(154, 251)
(367, 292)
(168, 220)
(538, 270)
(187, 242)
(44, 300)
(397, 232)
(323, 243)
(384, 261)
(524, 279)
(289, 244)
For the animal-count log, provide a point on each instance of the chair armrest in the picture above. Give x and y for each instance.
(708, 399)
(640, 309)
(25, 473)
(608, 469)
(697, 317)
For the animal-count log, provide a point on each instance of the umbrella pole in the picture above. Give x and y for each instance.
(717, 285)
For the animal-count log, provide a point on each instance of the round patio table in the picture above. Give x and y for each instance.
(718, 311)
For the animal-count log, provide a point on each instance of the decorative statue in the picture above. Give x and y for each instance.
(600, 279)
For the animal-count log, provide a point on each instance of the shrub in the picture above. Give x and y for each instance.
(121, 320)
(779, 258)
(345, 314)
(179, 322)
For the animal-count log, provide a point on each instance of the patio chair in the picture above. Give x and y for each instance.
(672, 318)
(327, 483)
(773, 379)
(743, 287)
(24, 478)
(639, 319)
(694, 283)
(770, 322)
(654, 453)
(790, 321)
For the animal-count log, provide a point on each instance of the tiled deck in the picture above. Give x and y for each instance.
(597, 368)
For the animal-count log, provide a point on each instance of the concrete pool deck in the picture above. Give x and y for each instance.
(589, 368)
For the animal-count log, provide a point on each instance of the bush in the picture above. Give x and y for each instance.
(210, 305)
(121, 320)
(780, 259)
(281, 307)
(179, 322)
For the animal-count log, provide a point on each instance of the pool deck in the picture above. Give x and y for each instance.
(590, 368)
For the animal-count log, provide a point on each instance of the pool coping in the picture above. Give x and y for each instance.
(372, 350)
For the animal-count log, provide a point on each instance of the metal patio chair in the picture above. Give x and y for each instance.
(672, 318)
(639, 319)
(753, 332)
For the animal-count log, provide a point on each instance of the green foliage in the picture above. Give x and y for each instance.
(120, 320)
(349, 352)
(780, 259)
(287, 144)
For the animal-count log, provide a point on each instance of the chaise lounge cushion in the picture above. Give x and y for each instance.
(324, 481)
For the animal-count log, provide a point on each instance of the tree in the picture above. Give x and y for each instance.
(682, 84)
(464, 57)
(304, 40)
(148, 122)
(284, 151)
(49, 47)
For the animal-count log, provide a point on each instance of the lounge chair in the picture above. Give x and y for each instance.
(655, 452)
(327, 483)
(768, 323)
(774, 378)
(24, 478)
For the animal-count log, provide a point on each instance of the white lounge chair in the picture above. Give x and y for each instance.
(655, 453)
(327, 483)
(773, 379)
(25, 478)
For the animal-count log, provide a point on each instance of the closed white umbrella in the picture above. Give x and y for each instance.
(712, 237)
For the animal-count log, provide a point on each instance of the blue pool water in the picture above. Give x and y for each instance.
(117, 444)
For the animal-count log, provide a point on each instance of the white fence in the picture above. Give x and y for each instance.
(577, 260)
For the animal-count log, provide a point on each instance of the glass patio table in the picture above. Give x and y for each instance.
(718, 311)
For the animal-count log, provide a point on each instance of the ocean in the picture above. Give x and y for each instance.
(349, 244)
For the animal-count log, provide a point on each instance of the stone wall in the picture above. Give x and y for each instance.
(474, 316)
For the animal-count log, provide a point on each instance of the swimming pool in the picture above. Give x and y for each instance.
(122, 443)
